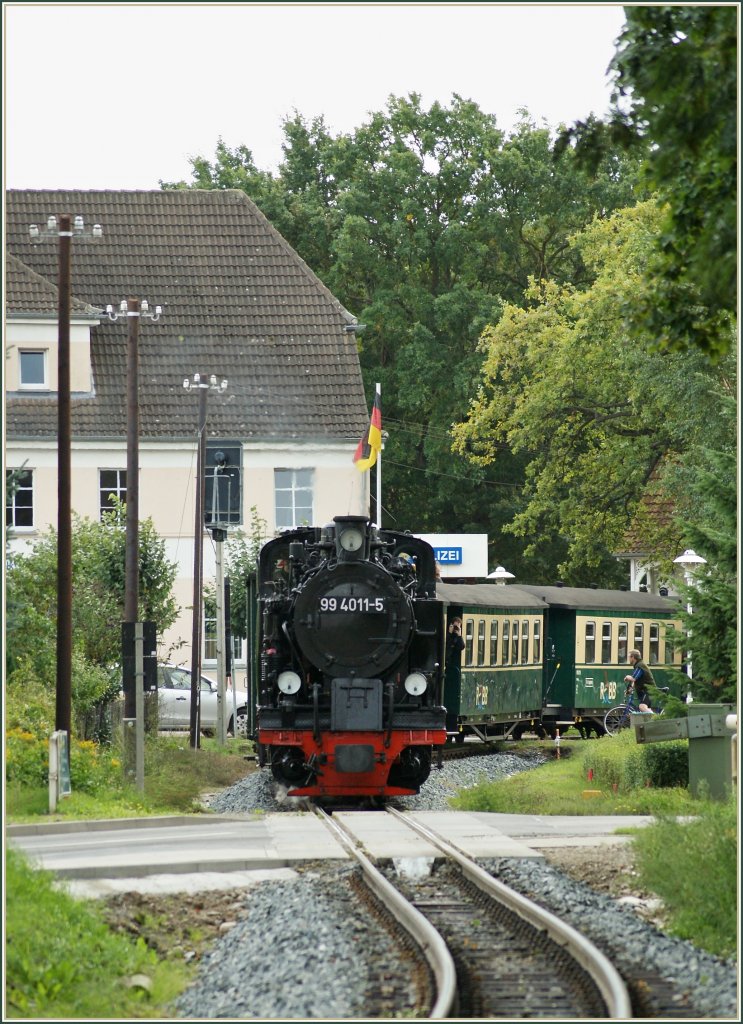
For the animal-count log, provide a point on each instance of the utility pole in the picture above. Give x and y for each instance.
(202, 385)
(134, 311)
(65, 232)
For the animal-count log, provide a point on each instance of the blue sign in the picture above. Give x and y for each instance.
(448, 556)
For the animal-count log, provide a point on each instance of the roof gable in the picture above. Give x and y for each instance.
(237, 301)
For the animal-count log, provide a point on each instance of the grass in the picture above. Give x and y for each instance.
(176, 777)
(62, 960)
(690, 863)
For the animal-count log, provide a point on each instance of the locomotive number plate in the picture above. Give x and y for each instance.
(352, 604)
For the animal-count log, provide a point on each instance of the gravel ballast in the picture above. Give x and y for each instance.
(262, 969)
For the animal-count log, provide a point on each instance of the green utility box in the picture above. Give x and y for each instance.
(710, 747)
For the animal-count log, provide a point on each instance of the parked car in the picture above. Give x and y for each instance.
(174, 702)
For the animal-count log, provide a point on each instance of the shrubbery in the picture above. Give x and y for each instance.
(620, 763)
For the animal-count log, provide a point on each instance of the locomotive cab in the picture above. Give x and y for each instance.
(351, 652)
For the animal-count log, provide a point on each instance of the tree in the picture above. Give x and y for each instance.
(675, 101)
(98, 568)
(709, 526)
(595, 411)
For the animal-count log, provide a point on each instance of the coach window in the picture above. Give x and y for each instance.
(622, 646)
(537, 641)
(590, 655)
(19, 498)
(515, 643)
(493, 641)
(654, 643)
(506, 642)
(670, 646)
(639, 641)
(525, 642)
(481, 642)
(469, 634)
(606, 643)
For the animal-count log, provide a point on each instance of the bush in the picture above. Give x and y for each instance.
(692, 865)
(621, 763)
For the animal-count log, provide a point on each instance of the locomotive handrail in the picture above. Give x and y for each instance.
(602, 971)
(412, 920)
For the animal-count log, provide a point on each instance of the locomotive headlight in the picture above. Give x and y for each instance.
(351, 539)
(289, 682)
(415, 684)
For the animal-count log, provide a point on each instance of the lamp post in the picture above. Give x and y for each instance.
(65, 230)
(202, 385)
(688, 560)
(500, 575)
(134, 311)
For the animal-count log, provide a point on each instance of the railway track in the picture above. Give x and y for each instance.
(490, 951)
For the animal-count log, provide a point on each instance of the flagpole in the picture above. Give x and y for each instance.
(379, 471)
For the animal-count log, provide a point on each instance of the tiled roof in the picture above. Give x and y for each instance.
(237, 302)
(27, 292)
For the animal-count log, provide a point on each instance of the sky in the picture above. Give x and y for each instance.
(120, 96)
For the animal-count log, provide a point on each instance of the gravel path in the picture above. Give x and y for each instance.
(262, 967)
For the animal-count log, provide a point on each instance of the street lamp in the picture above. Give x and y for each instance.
(500, 575)
(66, 229)
(688, 560)
(203, 385)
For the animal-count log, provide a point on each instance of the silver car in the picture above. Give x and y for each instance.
(174, 702)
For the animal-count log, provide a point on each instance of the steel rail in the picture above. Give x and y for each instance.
(416, 924)
(607, 979)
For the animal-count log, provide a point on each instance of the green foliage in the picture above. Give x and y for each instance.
(621, 764)
(241, 561)
(692, 865)
(422, 221)
(675, 101)
(63, 962)
(595, 418)
(98, 568)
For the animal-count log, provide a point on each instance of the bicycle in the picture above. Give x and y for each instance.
(620, 717)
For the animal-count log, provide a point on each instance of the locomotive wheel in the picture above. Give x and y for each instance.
(287, 765)
(412, 769)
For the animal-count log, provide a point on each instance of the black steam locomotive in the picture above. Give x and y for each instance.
(350, 639)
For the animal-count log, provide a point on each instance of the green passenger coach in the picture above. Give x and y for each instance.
(547, 658)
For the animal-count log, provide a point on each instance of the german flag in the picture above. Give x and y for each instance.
(371, 443)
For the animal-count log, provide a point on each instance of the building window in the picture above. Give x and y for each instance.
(111, 488)
(19, 505)
(654, 643)
(493, 641)
(606, 643)
(505, 645)
(537, 641)
(222, 490)
(293, 489)
(32, 370)
(590, 655)
(622, 645)
(469, 641)
(210, 641)
(481, 642)
(639, 638)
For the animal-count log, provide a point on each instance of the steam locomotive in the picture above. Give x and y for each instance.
(349, 642)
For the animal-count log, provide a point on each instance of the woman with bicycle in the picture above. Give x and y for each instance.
(640, 681)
